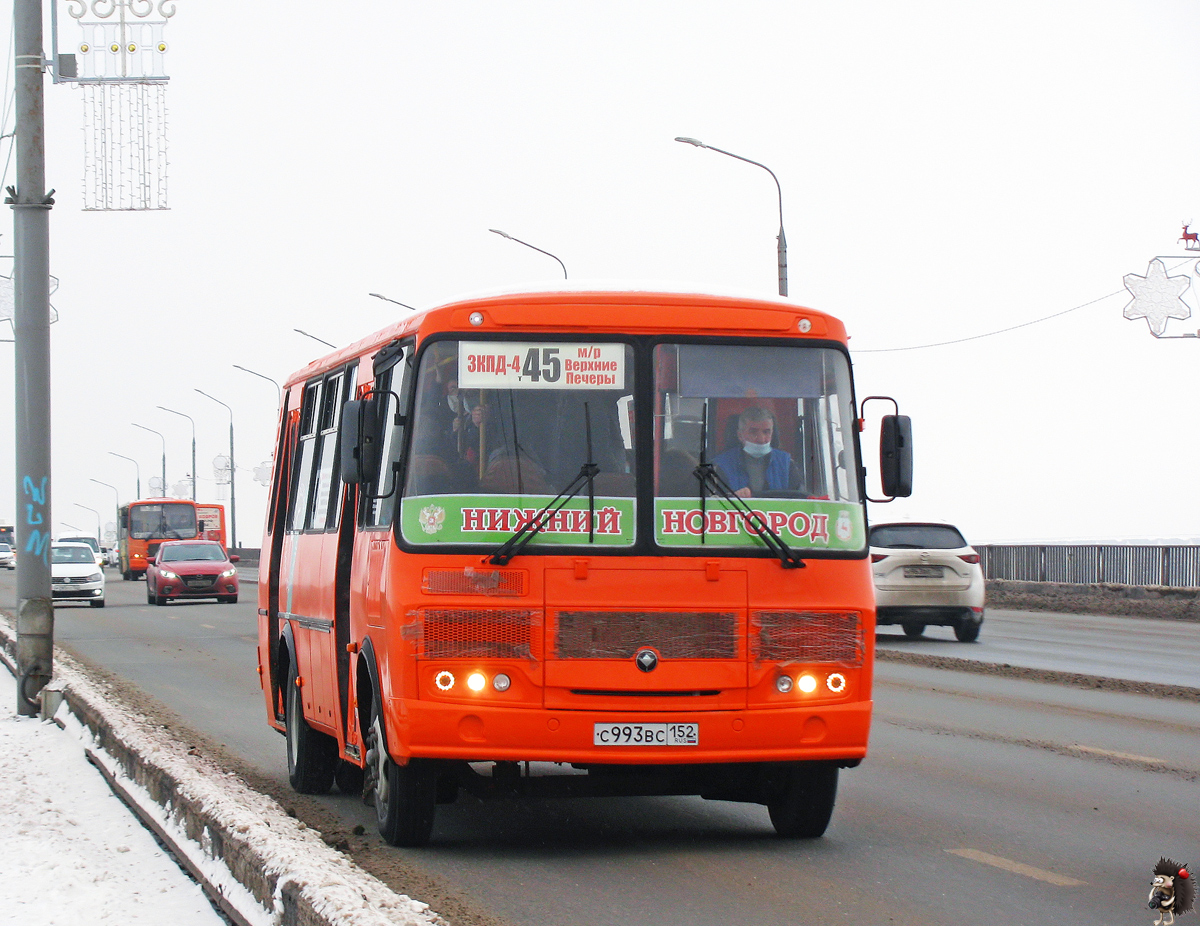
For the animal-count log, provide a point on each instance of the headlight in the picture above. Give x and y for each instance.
(167, 574)
(229, 572)
(96, 577)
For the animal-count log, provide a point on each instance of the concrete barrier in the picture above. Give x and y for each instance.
(1157, 601)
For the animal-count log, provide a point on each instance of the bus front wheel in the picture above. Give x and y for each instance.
(405, 795)
(312, 756)
(803, 802)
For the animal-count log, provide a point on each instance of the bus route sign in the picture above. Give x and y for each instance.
(540, 365)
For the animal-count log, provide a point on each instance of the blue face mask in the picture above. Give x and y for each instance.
(756, 450)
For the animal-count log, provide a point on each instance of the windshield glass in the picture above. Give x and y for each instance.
(90, 541)
(172, 521)
(775, 424)
(193, 551)
(917, 537)
(80, 554)
(502, 427)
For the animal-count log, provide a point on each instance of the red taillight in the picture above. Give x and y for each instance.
(969, 557)
(876, 557)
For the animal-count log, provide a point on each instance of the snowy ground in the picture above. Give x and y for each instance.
(70, 851)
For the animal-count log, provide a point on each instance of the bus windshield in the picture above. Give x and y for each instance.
(175, 521)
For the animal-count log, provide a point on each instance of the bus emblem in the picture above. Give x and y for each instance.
(646, 660)
(432, 518)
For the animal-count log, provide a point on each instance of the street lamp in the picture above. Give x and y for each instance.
(164, 458)
(315, 338)
(99, 532)
(496, 231)
(232, 471)
(783, 287)
(116, 499)
(278, 388)
(137, 469)
(389, 299)
(193, 421)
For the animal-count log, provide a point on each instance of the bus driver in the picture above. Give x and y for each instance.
(755, 466)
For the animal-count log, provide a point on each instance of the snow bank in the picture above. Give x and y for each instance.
(240, 838)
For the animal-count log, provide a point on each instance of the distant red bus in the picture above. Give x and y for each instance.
(143, 526)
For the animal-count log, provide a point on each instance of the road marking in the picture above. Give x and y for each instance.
(1127, 756)
(208, 626)
(1018, 868)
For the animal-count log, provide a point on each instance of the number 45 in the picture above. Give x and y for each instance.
(550, 368)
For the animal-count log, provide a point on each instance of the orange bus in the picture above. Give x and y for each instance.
(575, 543)
(143, 525)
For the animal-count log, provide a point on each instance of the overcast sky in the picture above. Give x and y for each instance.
(948, 169)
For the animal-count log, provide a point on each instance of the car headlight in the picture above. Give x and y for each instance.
(96, 577)
(167, 574)
(232, 571)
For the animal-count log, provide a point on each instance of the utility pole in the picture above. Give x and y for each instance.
(31, 326)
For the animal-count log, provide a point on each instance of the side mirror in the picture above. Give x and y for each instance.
(357, 441)
(895, 455)
(234, 558)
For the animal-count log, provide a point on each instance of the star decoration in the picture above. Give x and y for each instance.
(1156, 297)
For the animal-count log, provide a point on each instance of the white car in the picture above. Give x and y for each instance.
(91, 542)
(8, 559)
(74, 574)
(926, 573)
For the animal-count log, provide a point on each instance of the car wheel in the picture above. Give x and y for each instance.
(804, 800)
(967, 629)
(405, 796)
(149, 594)
(97, 603)
(913, 631)
(312, 756)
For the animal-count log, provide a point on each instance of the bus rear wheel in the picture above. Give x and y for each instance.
(405, 795)
(312, 756)
(804, 800)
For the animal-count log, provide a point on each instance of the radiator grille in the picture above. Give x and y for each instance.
(496, 582)
(620, 634)
(466, 633)
(808, 636)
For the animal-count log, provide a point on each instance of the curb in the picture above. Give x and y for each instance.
(232, 833)
(1071, 679)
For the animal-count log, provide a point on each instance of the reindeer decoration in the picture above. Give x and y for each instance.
(1190, 239)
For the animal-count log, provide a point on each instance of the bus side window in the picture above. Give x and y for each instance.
(303, 460)
(326, 501)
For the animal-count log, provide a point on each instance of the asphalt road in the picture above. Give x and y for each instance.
(984, 799)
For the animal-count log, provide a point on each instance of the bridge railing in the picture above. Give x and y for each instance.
(1082, 564)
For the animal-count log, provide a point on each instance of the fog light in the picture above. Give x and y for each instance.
(807, 684)
(444, 680)
(476, 681)
(784, 684)
(836, 683)
(501, 682)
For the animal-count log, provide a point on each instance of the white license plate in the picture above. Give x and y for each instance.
(646, 734)
(923, 572)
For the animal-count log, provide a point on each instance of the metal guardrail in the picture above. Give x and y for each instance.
(1111, 564)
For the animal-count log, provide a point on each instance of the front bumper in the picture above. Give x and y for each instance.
(86, 592)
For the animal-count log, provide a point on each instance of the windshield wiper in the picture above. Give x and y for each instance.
(708, 477)
(534, 526)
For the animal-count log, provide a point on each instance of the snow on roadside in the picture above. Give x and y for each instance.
(70, 851)
(336, 888)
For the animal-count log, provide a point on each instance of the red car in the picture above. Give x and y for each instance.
(192, 569)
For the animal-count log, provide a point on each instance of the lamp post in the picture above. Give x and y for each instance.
(315, 338)
(164, 457)
(136, 468)
(782, 249)
(99, 530)
(278, 388)
(389, 299)
(193, 421)
(496, 231)
(232, 472)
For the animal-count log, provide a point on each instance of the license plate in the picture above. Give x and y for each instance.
(923, 572)
(646, 734)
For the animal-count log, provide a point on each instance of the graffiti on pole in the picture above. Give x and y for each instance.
(37, 540)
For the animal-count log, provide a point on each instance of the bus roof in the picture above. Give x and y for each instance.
(624, 311)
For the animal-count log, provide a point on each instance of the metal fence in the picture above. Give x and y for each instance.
(1115, 564)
